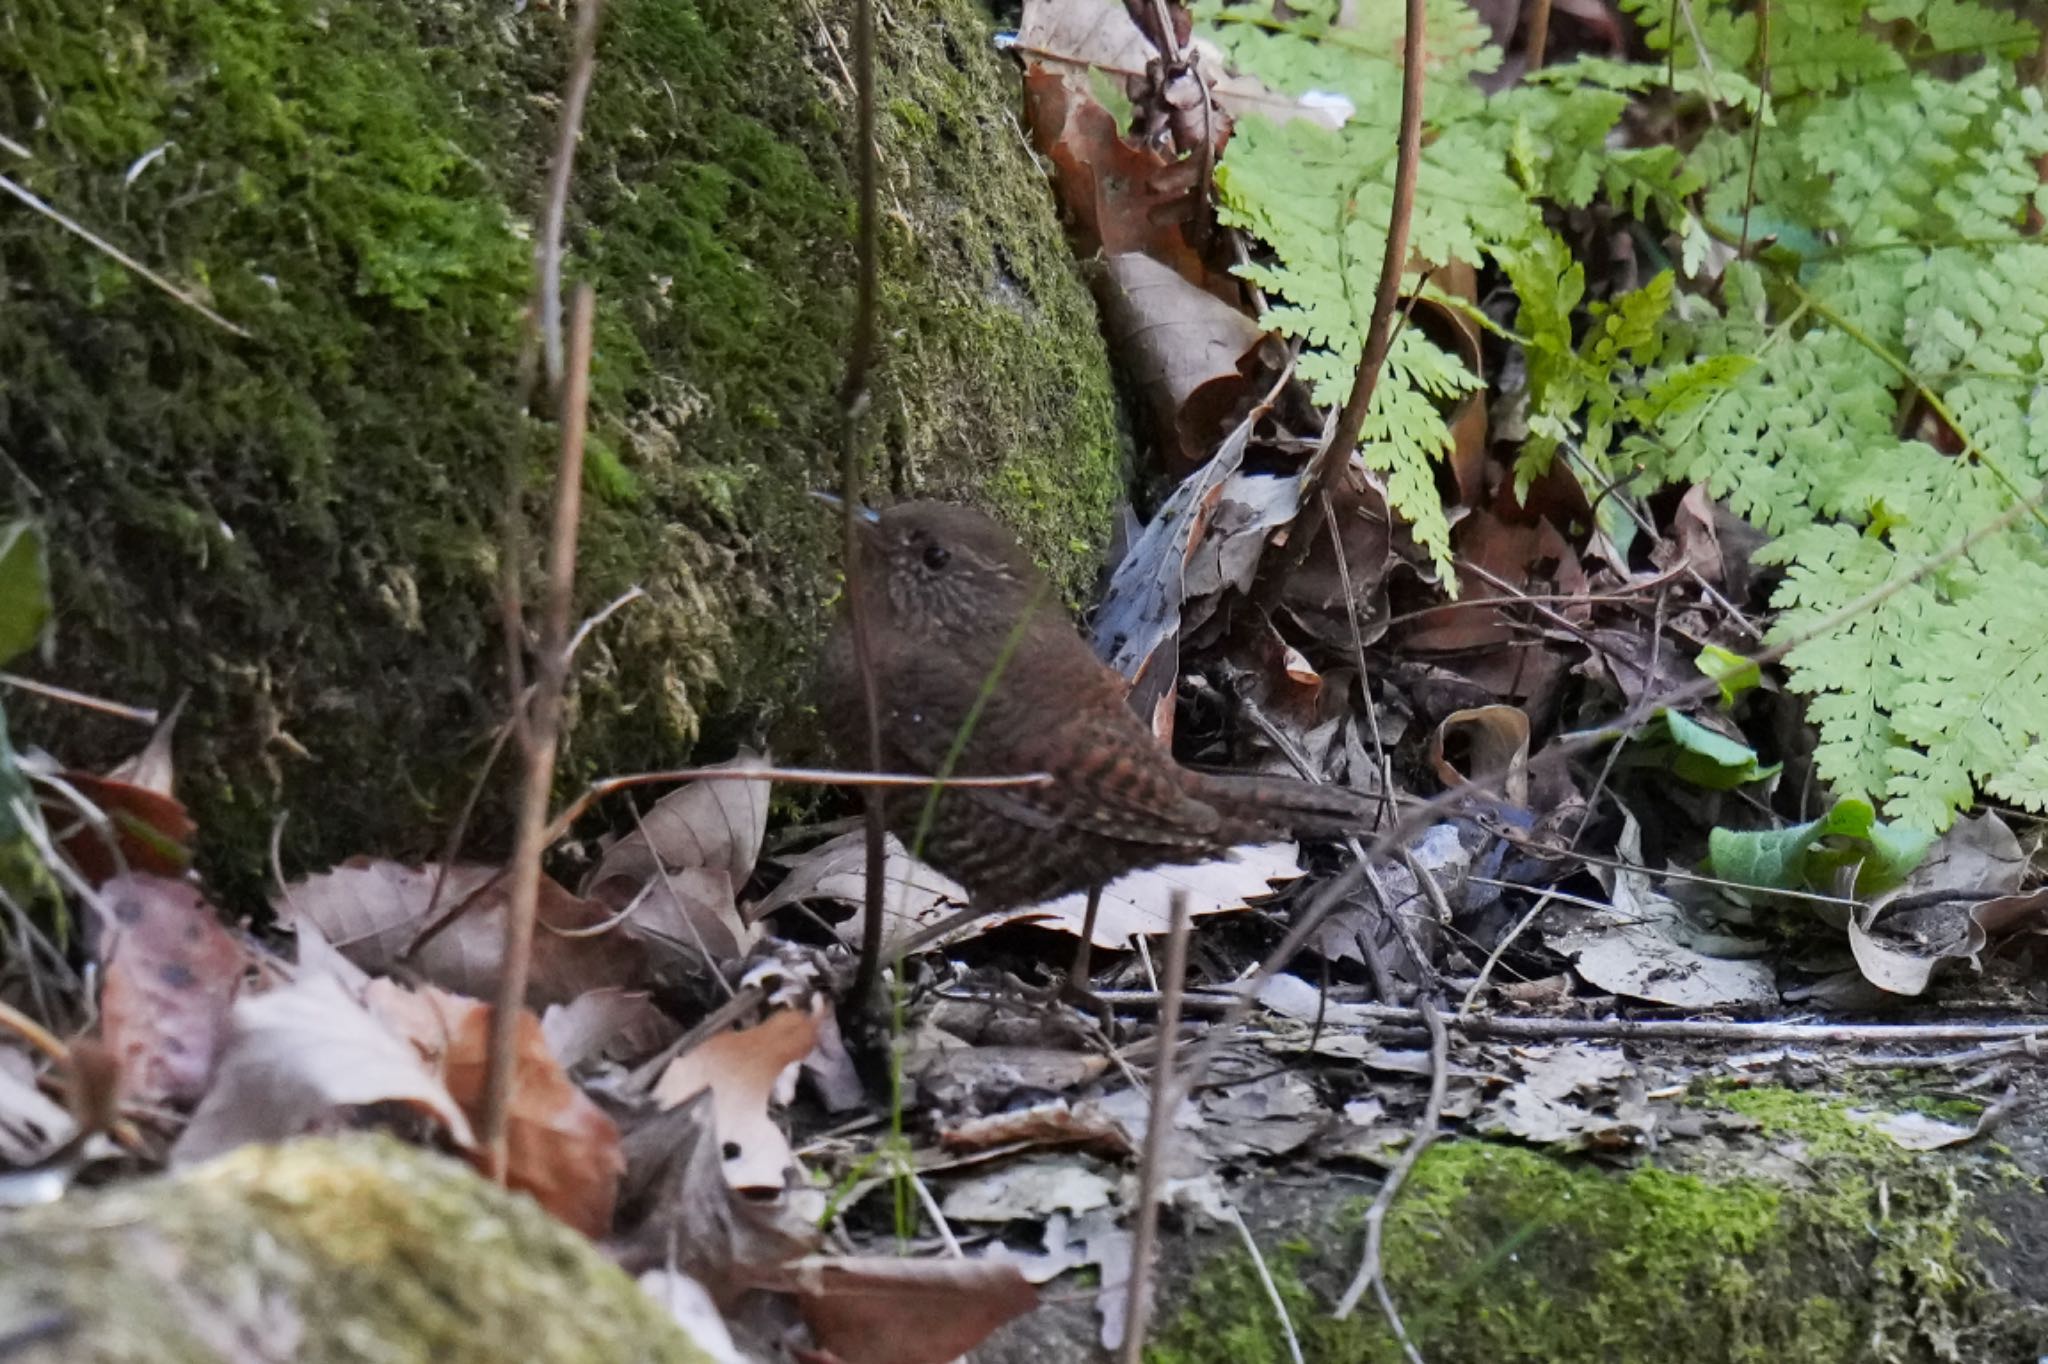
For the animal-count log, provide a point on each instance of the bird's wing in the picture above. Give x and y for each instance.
(1112, 778)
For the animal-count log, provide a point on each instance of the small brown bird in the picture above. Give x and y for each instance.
(959, 618)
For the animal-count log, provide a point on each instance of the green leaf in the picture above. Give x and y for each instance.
(1808, 856)
(24, 587)
(1698, 755)
(1731, 672)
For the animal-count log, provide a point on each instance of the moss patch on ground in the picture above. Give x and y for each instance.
(341, 1250)
(1845, 1250)
(302, 528)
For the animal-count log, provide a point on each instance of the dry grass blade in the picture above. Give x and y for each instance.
(101, 244)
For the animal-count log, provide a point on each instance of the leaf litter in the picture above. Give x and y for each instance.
(1675, 877)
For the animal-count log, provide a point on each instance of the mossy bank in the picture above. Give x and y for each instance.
(301, 528)
(1831, 1246)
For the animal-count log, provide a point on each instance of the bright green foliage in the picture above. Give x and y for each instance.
(1322, 199)
(1812, 855)
(1848, 349)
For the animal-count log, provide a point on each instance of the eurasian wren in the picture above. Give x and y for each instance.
(955, 608)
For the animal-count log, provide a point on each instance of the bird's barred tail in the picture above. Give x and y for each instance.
(1264, 806)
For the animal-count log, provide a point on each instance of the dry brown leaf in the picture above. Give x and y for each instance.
(1138, 624)
(1191, 355)
(1493, 742)
(560, 1147)
(307, 1057)
(371, 910)
(716, 825)
(877, 1310)
(740, 1069)
(170, 973)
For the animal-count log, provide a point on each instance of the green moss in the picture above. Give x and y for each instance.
(302, 529)
(1501, 1253)
(339, 1250)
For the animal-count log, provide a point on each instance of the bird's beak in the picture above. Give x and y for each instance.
(833, 500)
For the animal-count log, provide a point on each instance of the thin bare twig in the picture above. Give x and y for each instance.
(853, 399)
(1370, 1273)
(1251, 1248)
(1535, 45)
(101, 244)
(547, 252)
(541, 732)
(1166, 1096)
(142, 715)
(1335, 455)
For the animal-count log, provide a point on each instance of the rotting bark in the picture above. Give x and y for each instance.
(317, 1251)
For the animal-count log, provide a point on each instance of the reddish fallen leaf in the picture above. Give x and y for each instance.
(145, 830)
(876, 1310)
(372, 910)
(169, 976)
(1052, 1123)
(740, 1069)
(150, 830)
(308, 1057)
(560, 1147)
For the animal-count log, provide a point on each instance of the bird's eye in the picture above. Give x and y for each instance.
(936, 556)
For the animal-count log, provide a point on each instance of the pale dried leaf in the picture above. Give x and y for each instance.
(1087, 33)
(306, 1057)
(609, 1024)
(741, 1068)
(1649, 947)
(712, 826)
(1029, 1189)
(372, 910)
(31, 1125)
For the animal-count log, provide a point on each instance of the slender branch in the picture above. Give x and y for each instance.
(1166, 1096)
(548, 250)
(1535, 46)
(1369, 1270)
(1335, 456)
(542, 732)
(853, 398)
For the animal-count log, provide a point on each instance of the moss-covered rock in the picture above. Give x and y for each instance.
(302, 528)
(1819, 1243)
(315, 1251)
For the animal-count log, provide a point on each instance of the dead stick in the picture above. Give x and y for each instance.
(853, 397)
(548, 251)
(1166, 1094)
(1335, 456)
(542, 733)
(1370, 1274)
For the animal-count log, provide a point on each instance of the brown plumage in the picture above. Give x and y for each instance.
(944, 590)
